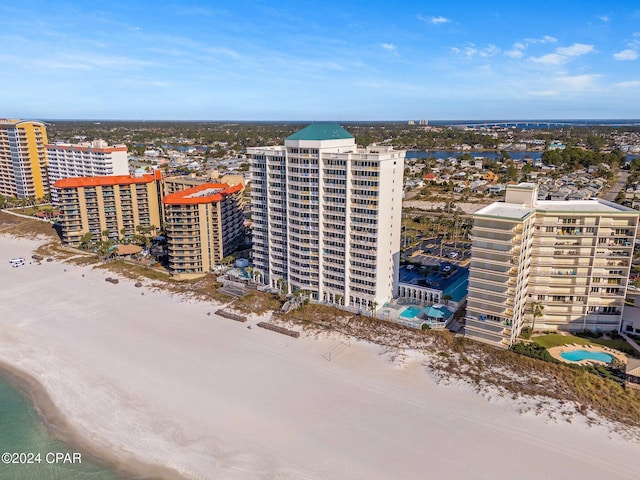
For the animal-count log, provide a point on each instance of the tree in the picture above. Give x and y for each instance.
(374, 306)
(504, 155)
(536, 309)
(85, 240)
(616, 364)
(446, 297)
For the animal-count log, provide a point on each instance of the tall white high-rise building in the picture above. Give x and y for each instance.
(89, 159)
(327, 216)
(566, 261)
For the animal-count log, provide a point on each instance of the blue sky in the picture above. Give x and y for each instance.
(329, 60)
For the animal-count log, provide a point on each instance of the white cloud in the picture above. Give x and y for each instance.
(563, 54)
(605, 18)
(434, 20)
(222, 51)
(550, 59)
(564, 85)
(389, 46)
(470, 50)
(544, 93)
(629, 84)
(545, 39)
(91, 62)
(627, 54)
(489, 51)
(518, 48)
(577, 82)
(575, 50)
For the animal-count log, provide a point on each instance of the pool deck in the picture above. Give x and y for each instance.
(556, 351)
(392, 311)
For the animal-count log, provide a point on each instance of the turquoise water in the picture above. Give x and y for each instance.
(578, 355)
(22, 431)
(410, 312)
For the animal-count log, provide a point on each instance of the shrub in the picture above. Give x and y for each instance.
(533, 350)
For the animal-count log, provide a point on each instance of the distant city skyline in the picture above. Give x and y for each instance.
(291, 61)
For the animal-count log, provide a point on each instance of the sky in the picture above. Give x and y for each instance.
(331, 60)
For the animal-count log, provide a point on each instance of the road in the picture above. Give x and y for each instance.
(619, 185)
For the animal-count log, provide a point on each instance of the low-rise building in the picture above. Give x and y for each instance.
(424, 286)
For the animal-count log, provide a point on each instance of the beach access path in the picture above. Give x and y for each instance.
(163, 380)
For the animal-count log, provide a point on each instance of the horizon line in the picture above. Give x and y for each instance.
(439, 121)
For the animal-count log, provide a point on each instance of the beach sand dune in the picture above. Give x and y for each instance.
(165, 381)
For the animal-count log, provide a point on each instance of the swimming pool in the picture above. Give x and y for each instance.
(579, 355)
(410, 312)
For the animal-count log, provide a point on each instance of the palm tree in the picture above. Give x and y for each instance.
(536, 309)
(374, 307)
(446, 297)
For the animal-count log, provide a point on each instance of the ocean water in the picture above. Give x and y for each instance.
(43, 457)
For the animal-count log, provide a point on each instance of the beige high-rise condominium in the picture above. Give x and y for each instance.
(566, 261)
(109, 207)
(203, 224)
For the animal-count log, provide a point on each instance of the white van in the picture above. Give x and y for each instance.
(16, 262)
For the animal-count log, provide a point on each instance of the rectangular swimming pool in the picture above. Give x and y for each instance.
(410, 312)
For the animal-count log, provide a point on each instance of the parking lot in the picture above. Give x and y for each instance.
(432, 251)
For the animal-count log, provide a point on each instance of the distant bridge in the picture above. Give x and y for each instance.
(532, 124)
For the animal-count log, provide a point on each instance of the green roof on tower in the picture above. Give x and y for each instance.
(320, 131)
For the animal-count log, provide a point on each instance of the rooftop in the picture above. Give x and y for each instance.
(520, 212)
(454, 285)
(106, 180)
(505, 210)
(320, 131)
(205, 193)
(592, 205)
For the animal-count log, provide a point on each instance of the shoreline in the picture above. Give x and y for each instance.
(157, 378)
(60, 428)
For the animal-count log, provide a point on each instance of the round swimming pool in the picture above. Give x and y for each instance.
(579, 355)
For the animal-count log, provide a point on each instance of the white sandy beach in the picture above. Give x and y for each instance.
(155, 378)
